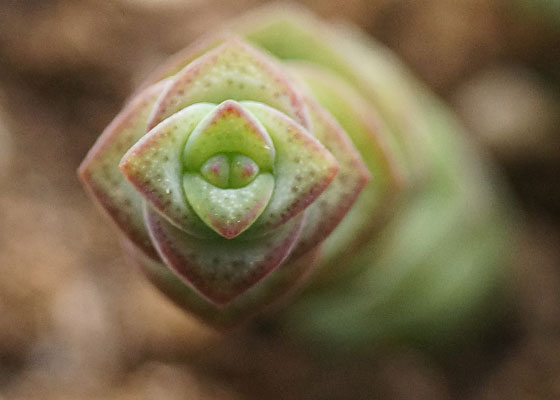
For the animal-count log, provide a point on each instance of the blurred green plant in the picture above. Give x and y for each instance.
(284, 150)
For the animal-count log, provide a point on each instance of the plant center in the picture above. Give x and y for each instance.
(229, 170)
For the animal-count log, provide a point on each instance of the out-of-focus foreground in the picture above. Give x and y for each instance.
(78, 322)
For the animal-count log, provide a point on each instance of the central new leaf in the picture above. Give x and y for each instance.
(222, 158)
(229, 212)
(229, 129)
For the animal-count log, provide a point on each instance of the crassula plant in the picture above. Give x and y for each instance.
(282, 152)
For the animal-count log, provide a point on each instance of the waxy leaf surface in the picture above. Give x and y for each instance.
(221, 269)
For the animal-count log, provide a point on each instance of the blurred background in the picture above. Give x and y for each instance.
(78, 322)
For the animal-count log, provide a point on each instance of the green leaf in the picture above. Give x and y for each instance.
(100, 169)
(154, 167)
(329, 209)
(229, 212)
(283, 282)
(242, 171)
(181, 59)
(235, 71)
(387, 166)
(304, 168)
(216, 171)
(221, 269)
(229, 129)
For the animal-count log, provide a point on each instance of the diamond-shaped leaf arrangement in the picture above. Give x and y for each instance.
(227, 177)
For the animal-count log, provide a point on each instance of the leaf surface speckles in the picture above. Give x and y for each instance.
(232, 71)
(154, 167)
(221, 269)
(100, 170)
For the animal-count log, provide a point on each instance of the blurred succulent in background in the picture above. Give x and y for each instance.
(283, 150)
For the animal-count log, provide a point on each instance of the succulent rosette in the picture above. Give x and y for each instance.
(283, 146)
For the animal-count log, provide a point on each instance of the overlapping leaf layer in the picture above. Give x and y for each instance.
(275, 148)
(224, 172)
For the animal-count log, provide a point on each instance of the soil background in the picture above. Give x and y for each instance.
(78, 322)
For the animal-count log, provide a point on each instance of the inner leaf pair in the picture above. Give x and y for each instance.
(233, 157)
(228, 160)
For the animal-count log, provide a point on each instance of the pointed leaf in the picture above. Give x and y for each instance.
(184, 57)
(276, 286)
(325, 213)
(229, 129)
(154, 167)
(229, 212)
(221, 269)
(378, 151)
(100, 170)
(234, 70)
(361, 122)
(303, 168)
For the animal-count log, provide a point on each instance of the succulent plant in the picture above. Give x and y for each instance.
(284, 150)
